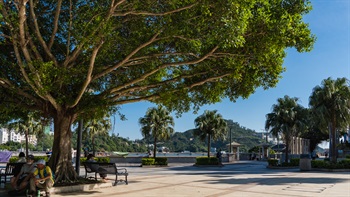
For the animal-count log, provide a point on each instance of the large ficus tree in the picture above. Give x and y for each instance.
(69, 59)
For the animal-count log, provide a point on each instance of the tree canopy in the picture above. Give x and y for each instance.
(69, 59)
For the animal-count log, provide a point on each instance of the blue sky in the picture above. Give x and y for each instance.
(329, 21)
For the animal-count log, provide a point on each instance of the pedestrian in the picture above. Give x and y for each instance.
(43, 178)
(21, 158)
(219, 156)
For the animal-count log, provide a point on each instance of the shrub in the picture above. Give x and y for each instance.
(161, 161)
(272, 162)
(103, 159)
(207, 161)
(14, 159)
(344, 164)
(347, 156)
(319, 164)
(294, 162)
(148, 161)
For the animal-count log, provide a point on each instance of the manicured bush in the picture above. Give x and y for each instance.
(294, 162)
(161, 161)
(272, 162)
(103, 159)
(14, 159)
(207, 161)
(344, 164)
(319, 164)
(148, 161)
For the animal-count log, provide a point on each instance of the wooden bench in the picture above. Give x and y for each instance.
(111, 168)
(12, 169)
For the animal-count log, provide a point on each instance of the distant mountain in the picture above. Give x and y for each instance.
(182, 141)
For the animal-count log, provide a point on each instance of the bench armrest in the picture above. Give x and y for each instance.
(122, 170)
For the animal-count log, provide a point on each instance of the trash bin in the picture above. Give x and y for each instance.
(305, 162)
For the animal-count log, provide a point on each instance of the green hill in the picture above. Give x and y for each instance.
(182, 141)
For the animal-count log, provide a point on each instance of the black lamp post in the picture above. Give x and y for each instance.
(230, 140)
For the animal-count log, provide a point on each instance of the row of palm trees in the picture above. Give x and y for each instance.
(158, 124)
(329, 111)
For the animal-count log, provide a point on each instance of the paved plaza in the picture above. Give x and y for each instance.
(235, 179)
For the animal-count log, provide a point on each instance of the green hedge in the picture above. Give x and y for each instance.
(272, 162)
(207, 161)
(294, 162)
(343, 164)
(162, 161)
(14, 159)
(148, 161)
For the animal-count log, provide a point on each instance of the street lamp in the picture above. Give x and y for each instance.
(230, 141)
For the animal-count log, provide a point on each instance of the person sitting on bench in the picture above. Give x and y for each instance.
(21, 181)
(42, 178)
(95, 167)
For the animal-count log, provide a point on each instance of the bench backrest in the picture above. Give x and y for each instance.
(13, 168)
(109, 167)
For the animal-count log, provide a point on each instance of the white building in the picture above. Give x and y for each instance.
(6, 136)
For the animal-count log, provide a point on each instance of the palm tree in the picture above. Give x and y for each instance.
(96, 127)
(288, 118)
(26, 126)
(330, 103)
(157, 124)
(210, 125)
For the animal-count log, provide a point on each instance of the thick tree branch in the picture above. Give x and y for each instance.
(143, 77)
(88, 75)
(55, 24)
(127, 58)
(38, 34)
(8, 85)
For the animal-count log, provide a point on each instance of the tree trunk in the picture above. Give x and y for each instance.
(61, 158)
(333, 143)
(26, 138)
(155, 148)
(93, 146)
(208, 145)
(287, 150)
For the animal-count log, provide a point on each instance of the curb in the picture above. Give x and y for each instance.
(79, 188)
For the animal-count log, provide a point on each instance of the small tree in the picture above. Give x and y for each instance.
(157, 124)
(209, 126)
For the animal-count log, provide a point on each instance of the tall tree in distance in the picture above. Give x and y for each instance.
(96, 127)
(72, 60)
(27, 126)
(210, 125)
(287, 118)
(157, 124)
(330, 103)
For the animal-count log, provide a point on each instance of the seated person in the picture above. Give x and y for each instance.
(21, 181)
(42, 178)
(97, 168)
(21, 158)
